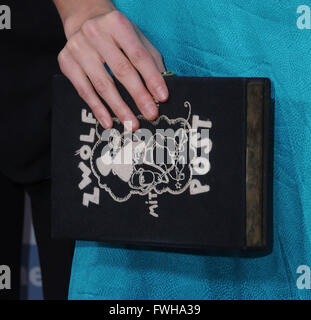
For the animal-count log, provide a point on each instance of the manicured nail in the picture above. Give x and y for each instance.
(131, 124)
(105, 122)
(162, 93)
(150, 111)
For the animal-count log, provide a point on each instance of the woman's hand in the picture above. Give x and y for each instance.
(97, 34)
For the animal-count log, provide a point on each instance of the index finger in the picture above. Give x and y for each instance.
(128, 40)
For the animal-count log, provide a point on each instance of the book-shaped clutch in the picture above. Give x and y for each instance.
(197, 177)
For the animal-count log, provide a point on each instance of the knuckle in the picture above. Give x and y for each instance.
(155, 81)
(62, 58)
(118, 20)
(119, 109)
(101, 85)
(122, 69)
(83, 93)
(95, 106)
(139, 54)
(90, 28)
(73, 44)
(157, 55)
(142, 96)
(117, 17)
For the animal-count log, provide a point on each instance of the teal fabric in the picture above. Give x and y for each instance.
(224, 38)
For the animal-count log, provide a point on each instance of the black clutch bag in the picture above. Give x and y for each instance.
(197, 177)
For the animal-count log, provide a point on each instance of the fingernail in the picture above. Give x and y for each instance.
(131, 124)
(162, 93)
(150, 111)
(105, 122)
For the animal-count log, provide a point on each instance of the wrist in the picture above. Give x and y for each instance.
(75, 12)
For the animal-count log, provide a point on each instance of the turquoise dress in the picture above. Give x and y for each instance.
(224, 38)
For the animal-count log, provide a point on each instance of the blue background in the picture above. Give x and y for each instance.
(31, 285)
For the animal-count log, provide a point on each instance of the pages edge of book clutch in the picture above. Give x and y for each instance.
(259, 150)
(258, 165)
